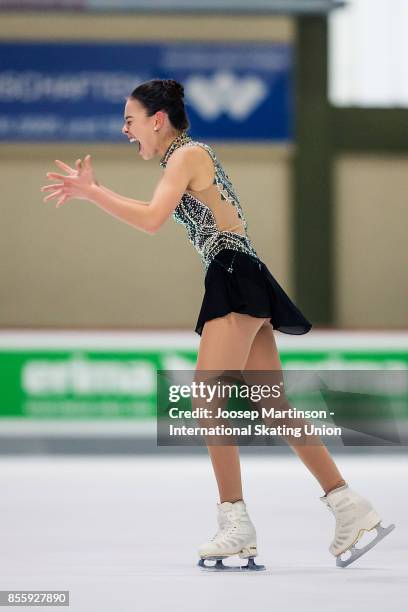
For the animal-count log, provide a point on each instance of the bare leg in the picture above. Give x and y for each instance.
(316, 457)
(225, 345)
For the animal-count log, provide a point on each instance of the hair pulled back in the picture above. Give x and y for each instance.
(163, 94)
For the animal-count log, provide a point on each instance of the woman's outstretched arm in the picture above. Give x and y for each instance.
(147, 217)
(121, 197)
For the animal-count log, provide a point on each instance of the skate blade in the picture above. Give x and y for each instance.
(219, 566)
(382, 532)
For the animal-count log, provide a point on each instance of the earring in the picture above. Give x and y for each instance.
(155, 128)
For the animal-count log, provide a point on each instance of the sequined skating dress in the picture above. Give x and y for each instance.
(236, 280)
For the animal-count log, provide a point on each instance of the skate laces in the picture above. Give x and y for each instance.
(228, 524)
(340, 512)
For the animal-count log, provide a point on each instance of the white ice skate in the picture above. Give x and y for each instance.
(236, 536)
(354, 515)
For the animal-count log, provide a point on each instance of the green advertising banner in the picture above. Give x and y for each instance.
(113, 375)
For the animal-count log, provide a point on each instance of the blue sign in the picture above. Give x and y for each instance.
(77, 92)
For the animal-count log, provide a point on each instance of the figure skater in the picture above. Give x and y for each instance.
(243, 305)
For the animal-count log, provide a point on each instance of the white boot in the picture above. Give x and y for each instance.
(354, 515)
(236, 535)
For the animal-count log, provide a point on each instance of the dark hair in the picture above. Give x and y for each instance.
(163, 94)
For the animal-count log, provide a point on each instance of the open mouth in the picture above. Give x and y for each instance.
(133, 140)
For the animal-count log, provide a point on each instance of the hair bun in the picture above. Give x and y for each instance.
(173, 88)
(163, 95)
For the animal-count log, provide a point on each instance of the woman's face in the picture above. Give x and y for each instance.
(139, 128)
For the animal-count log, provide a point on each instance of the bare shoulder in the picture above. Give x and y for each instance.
(190, 153)
(199, 162)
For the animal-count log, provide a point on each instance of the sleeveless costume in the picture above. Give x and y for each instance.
(236, 280)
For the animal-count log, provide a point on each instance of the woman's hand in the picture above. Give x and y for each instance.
(77, 183)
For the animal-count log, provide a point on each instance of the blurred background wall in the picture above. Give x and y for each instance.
(371, 217)
(328, 219)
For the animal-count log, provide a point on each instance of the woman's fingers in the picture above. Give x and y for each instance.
(58, 190)
(64, 166)
(61, 201)
(55, 175)
(52, 195)
(88, 162)
(52, 187)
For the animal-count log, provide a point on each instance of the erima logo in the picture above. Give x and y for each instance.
(225, 93)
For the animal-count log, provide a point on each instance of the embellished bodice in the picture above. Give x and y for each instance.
(200, 219)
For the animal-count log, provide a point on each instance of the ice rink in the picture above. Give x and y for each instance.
(121, 534)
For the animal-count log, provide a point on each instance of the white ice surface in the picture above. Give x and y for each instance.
(121, 534)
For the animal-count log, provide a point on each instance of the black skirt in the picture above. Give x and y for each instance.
(249, 288)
